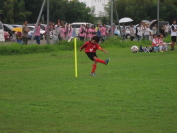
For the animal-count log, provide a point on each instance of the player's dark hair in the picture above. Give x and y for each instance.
(96, 38)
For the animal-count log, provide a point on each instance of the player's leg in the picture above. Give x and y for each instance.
(95, 59)
(99, 60)
(91, 56)
(94, 66)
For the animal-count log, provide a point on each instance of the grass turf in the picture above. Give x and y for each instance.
(135, 93)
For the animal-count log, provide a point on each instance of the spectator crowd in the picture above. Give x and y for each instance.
(64, 31)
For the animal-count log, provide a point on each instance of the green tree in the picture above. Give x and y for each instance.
(16, 11)
(8, 11)
(32, 8)
(139, 10)
(20, 13)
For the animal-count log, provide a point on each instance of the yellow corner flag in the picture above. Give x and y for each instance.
(75, 56)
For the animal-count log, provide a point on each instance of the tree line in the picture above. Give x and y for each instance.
(140, 10)
(16, 11)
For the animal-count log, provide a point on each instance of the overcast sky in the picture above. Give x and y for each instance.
(99, 4)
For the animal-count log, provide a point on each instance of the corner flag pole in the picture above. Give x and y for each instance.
(75, 53)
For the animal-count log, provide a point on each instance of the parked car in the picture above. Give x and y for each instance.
(127, 32)
(31, 24)
(1, 32)
(8, 28)
(30, 34)
(6, 36)
(43, 26)
(117, 32)
(77, 26)
(16, 25)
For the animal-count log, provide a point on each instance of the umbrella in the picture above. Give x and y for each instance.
(152, 23)
(125, 20)
(17, 29)
(146, 21)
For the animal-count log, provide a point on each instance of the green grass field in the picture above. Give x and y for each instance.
(135, 93)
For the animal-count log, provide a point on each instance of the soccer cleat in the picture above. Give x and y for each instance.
(107, 61)
(93, 74)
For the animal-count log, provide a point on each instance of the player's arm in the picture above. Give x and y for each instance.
(101, 49)
(81, 48)
(104, 51)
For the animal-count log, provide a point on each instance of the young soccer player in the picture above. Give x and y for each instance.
(90, 50)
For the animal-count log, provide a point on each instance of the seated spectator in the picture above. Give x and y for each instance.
(155, 42)
(164, 44)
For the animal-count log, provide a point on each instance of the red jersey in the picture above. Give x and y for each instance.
(155, 42)
(89, 47)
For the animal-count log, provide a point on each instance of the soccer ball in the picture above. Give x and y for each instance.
(134, 49)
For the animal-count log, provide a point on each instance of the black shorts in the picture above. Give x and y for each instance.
(91, 55)
(173, 38)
